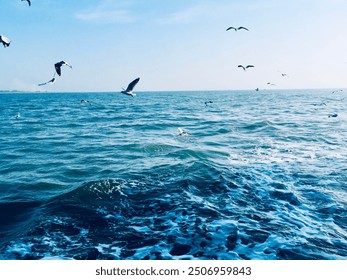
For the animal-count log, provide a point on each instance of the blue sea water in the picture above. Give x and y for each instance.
(261, 175)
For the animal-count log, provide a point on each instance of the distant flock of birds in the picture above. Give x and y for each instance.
(250, 66)
(129, 90)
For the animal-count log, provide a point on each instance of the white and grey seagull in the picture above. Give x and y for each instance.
(58, 66)
(238, 28)
(130, 88)
(5, 41)
(29, 2)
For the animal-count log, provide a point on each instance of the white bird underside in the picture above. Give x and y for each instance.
(5, 41)
(128, 93)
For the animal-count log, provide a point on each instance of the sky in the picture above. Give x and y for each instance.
(174, 44)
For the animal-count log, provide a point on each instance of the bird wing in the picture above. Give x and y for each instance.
(44, 83)
(27, 1)
(50, 81)
(242, 67)
(248, 66)
(57, 67)
(231, 28)
(132, 84)
(241, 27)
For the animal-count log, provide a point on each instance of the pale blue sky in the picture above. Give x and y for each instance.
(174, 44)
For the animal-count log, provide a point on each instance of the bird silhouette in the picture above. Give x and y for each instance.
(238, 28)
(245, 67)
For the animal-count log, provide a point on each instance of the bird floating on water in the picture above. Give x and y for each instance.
(245, 67)
(5, 41)
(238, 28)
(58, 66)
(182, 132)
(207, 102)
(85, 101)
(332, 115)
(130, 88)
(336, 91)
(29, 2)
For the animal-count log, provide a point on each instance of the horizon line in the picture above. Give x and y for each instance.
(157, 91)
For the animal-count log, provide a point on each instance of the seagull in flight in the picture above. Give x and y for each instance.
(29, 2)
(129, 89)
(206, 102)
(244, 68)
(238, 28)
(5, 41)
(58, 66)
(270, 84)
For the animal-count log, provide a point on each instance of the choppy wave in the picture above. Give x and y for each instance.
(114, 180)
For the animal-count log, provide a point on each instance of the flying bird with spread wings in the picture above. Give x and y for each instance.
(5, 41)
(130, 88)
(237, 28)
(245, 67)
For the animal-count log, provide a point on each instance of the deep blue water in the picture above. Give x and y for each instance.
(261, 175)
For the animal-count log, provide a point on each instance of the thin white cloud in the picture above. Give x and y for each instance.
(185, 16)
(106, 12)
(215, 10)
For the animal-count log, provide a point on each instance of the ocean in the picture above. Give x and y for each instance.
(258, 175)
